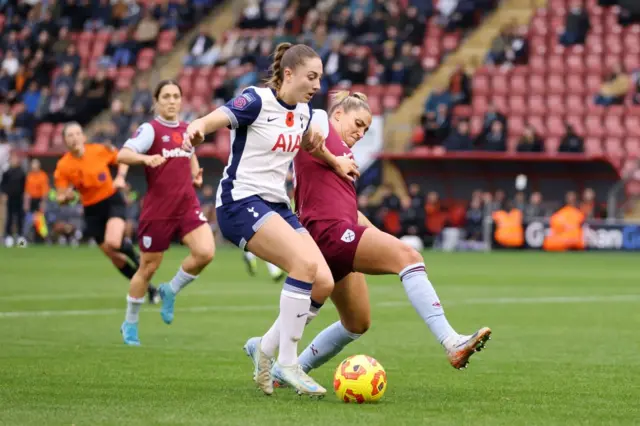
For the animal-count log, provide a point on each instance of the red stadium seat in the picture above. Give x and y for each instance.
(537, 105)
(593, 126)
(555, 104)
(556, 84)
(480, 85)
(499, 85)
(613, 148)
(555, 127)
(592, 146)
(515, 126)
(613, 126)
(517, 105)
(575, 85)
(576, 104)
(632, 146)
(519, 85)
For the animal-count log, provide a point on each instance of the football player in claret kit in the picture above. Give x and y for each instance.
(85, 169)
(352, 246)
(269, 126)
(170, 207)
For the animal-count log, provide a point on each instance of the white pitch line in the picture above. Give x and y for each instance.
(620, 298)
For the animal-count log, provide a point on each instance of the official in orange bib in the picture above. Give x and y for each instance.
(85, 168)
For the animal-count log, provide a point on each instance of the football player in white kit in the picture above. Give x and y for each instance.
(269, 125)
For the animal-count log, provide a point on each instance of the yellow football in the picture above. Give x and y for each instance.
(360, 379)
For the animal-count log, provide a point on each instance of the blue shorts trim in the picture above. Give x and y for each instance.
(240, 220)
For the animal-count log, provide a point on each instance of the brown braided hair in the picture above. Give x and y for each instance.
(288, 55)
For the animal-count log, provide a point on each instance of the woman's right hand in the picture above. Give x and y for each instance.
(154, 161)
(194, 136)
(346, 168)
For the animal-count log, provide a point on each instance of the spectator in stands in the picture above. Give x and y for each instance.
(492, 115)
(142, 95)
(31, 98)
(98, 92)
(495, 139)
(534, 208)
(571, 142)
(517, 50)
(459, 86)
(439, 96)
(100, 16)
(12, 193)
(357, 67)
(62, 43)
(459, 139)
(588, 203)
(413, 216)
(393, 68)
(76, 106)
(120, 119)
(498, 201)
(65, 78)
(147, 30)
(437, 125)
(497, 51)
(576, 26)
(519, 201)
(530, 141)
(474, 218)
(69, 56)
(198, 49)
(23, 125)
(10, 63)
(119, 51)
(414, 73)
(615, 87)
(334, 64)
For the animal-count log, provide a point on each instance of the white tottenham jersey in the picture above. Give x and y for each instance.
(266, 135)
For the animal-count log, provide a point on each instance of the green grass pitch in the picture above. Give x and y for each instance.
(564, 349)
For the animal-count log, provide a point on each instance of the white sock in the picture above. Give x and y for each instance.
(294, 309)
(133, 309)
(271, 340)
(181, 280)
(274, 271)
(327, 344)
(249, 256)
(424, 299)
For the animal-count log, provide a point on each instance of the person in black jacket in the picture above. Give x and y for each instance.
(12, 188)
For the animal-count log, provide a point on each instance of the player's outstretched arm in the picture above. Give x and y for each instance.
(131, 158)
(200, 127)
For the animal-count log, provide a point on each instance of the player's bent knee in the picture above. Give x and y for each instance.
(410, 255)
(305, 267)
(358, 326)
(204, 255)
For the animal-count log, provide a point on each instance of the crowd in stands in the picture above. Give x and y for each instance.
(473, 127)
(49, 71)
(426, 215)
(361, 42)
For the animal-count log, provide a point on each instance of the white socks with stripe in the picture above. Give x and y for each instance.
(424, 299)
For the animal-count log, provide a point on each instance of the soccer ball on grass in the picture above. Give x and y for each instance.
(360, 379)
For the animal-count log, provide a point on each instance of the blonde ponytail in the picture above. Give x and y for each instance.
(348, 101)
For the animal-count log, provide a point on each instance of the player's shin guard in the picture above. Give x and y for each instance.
(294, 309)
(327, 344)
(424, 299)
